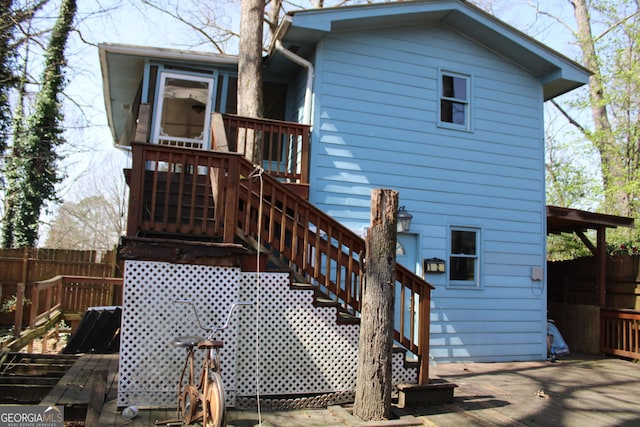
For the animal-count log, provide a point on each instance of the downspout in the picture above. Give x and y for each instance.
(306, 111)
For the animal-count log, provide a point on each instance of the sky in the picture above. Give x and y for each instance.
(92, 146)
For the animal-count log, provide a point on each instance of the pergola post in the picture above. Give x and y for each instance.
(601, 266)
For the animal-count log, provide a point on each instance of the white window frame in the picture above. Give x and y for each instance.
(157, 137)
(465, 284)
(466, 126)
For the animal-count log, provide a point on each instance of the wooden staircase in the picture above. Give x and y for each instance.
(323, 254)
(266, 211)
(26, 378)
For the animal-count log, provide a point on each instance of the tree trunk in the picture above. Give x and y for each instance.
(250, 68)
(611, 162)
(373, 384)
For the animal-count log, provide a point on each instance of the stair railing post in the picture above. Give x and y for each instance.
(60, 292)
(423, 334)
(35, 304)
(136, 189)
(231, 200)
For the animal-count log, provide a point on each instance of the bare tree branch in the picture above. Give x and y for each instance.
(176, 15)
(571, 120)
(615, 25)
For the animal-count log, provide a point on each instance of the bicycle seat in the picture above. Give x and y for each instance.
(210, 344)
(186, 341)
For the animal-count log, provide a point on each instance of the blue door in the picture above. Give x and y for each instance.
(407, 251)
(407, 255)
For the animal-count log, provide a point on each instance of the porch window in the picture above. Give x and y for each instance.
(183, 111)
(464, 257)
(454, 100)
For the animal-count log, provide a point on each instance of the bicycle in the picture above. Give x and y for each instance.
(203, 401)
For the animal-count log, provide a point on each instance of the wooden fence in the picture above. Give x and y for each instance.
(620, 332)
(573, 303)
(69, 295)
(573, 282)
(33, 264)
(29, 265)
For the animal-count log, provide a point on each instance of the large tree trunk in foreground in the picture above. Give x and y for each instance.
(373, 384)
(250, 69)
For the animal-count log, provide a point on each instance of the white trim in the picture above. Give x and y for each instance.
(465, 284)
(468, 102)
(204, 140)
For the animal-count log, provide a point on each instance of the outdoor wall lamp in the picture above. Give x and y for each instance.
(404, 220)
(434, 265)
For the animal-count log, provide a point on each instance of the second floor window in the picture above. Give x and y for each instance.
(454, 100)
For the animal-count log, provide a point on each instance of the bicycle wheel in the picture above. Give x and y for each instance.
(189, 404)
(215, 402)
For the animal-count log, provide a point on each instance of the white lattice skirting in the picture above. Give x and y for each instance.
(301, 348)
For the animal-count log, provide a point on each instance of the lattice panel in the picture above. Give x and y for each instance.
(149, 365)
(400, 374)
(302, 348)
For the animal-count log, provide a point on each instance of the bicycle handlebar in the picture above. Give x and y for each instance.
(213, 329)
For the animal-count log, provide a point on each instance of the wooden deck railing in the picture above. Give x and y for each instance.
(325, 253)
(64, 294)
(220, 195)
(171, 191)
(285, 145)
(620, 332)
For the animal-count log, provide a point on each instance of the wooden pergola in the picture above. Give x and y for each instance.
(565, 220)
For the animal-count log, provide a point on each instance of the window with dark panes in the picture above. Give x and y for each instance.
(464, 256)
(454, 99)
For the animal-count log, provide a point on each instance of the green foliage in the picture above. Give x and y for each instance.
(14, 178)
(568, 183)
(35, 157)
(618, 52)
(7, 79)
(561, 247)
(614, 132)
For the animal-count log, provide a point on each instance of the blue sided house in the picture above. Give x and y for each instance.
(436, 99)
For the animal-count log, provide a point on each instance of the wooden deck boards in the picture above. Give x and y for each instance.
(576, 391)
(74, 388)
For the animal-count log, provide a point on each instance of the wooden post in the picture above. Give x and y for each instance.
(601, 266)
(25, 264)
(59, 289)
(424, 306)
(231, 201)
(35, 304)
(136, 189)
(142, 124)
(19, 314)
(373, 383)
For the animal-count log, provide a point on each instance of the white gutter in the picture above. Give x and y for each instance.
(306, 112)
